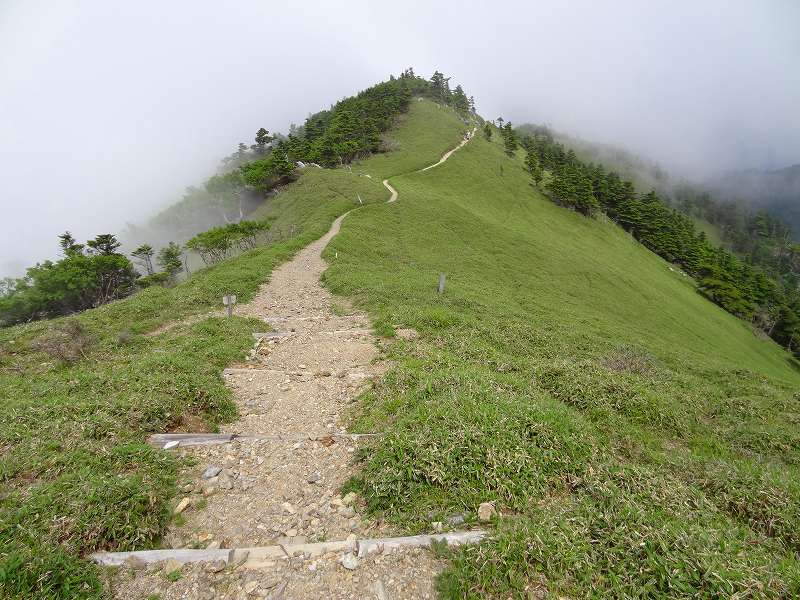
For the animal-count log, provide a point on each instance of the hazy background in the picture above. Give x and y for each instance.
(109, 109)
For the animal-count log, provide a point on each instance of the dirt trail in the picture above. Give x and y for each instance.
(261, 493)
(445, 156)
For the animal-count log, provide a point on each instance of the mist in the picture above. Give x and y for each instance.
(109, 110)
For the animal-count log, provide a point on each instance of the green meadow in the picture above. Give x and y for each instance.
(637, 440)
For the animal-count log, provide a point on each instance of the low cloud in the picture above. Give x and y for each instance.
(109, 110)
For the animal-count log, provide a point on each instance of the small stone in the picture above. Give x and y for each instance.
(322, 374)
(211, 471)
(135, 563)
(352, 537)
(349, 561)
(288, 508)
(182, 505)
(438, 526)
(349, 498)
(209, 490)
(456, 519)
(291, 532)
(346, 511)
(215, 567)
(314, 478)
(302, 366)
(172, 565)
(250, 587)
(213, 545)
(172, 444)
(486, 511)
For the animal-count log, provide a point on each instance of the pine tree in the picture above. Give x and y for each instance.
(509, 139)
(170, 260)
(144, 254)
(487, 131)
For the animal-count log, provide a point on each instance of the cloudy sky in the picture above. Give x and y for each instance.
(108, 109)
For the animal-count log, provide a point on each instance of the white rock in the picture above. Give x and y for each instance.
(211, 471)
(349, 561)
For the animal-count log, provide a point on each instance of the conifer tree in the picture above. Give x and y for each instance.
(144, 254)
(487, 131)
(509, 139)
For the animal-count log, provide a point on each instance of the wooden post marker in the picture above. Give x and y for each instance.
(229, 300)
(441, 283)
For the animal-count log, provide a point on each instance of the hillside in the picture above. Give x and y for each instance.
(573, 377)
(637, 440)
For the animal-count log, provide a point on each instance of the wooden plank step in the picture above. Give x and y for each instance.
(161, 440)
(315, 318)
(295, 372)
(265, 556)
(190, 439)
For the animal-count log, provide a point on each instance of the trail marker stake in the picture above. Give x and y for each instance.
(229, 300)
(441, 283)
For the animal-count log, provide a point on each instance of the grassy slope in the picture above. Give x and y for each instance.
(75, 473)
(640, 440)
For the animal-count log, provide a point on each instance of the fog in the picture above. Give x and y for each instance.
(109, 109)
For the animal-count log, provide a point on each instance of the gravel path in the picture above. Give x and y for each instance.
(259, 493)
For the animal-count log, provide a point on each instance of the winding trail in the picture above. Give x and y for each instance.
(282, 493)
(444, 158)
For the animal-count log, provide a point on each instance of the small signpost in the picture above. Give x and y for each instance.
(441, 283)
(229, 300)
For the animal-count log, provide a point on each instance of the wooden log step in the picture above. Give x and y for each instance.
(189, 439)
(265, 556)
(173, 440)
(294, 372)
(315, 318)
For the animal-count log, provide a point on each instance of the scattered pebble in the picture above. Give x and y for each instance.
(486, 511)
(211, 471)
(182, 505)
(349, 561)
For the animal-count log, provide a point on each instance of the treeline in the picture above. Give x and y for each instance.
(351, 129)
(86, 276)
(756, 236)
(739, 286)
(92, 274)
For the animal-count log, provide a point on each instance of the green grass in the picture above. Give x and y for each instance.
(75, 472)
(639, 440)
